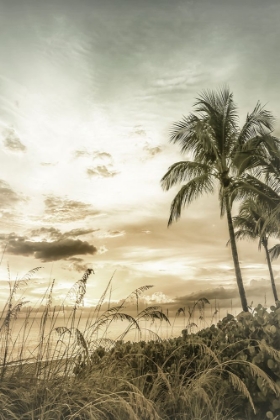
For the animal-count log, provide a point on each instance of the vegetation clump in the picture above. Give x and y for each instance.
(228, 371)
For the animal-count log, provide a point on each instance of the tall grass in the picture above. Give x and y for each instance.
(79, 372)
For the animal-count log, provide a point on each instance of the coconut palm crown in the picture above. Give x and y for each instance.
(254, 222)
(213, 142)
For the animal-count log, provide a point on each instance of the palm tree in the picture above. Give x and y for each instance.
(213, 139)
(253, 222)
(274, 252)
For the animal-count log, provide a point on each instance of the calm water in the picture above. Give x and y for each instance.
(26, 340)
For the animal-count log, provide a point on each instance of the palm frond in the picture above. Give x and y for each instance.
(258, 120)
(245, 234)
(184, 132)
(260, 153)
(188, 193)
(274, 252)
(183, 171)
(248, 186)
(222, 117)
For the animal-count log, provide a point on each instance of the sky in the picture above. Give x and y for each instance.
(89, 93)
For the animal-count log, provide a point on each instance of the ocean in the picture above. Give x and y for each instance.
(55, 336)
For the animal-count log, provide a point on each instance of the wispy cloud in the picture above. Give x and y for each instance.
(56, 234)
(101, 171)
(48, 164)
(94, 155)
(64, 210)
(8, 196)
(103, 165)
(12, 141)
(102, 249)
(81, 153)
(102, 155)
(152, 151)
(114, 233)
(139, 131)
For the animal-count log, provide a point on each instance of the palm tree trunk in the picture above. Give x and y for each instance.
(270, 272)
(235, 258)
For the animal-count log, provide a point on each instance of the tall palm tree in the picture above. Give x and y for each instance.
(274, 252)
(213, 139)
(253, 222)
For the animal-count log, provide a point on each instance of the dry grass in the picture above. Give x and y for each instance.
(59, 379)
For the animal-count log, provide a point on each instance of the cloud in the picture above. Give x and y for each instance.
(56, 234)
(12, 142)
(102, 171)
(81, 153)
(103, 165)
(102, 250)
(102, 155)
(191, 76)
(77, 264)
(8, 196)
(48, 251)
(218, 293)
(226, 297)
(64, 210)
(48, 164)
(140, 132)
(95, 155)
(152, 150)
(113, 233)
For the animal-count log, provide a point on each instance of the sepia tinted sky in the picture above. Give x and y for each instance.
(89, 92)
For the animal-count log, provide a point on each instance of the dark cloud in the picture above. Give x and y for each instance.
(102, 171)
(257, 291)
(8, 197)
(64, 210)
(48, 251)
(56, 234)
(12, 142)
(218, 293)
